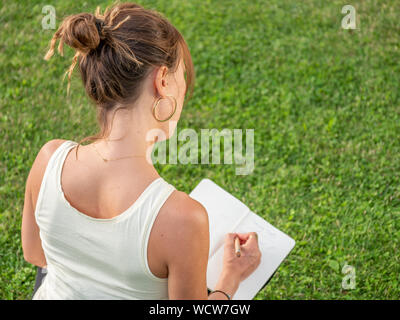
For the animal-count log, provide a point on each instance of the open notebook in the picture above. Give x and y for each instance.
(228, 214)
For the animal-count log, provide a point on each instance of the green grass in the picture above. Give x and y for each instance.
(324, 103)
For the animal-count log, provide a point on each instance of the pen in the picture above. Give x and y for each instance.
(237, 246)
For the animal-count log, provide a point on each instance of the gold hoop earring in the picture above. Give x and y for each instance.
(156, 104)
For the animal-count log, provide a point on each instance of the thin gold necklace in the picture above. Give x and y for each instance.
(105, 159)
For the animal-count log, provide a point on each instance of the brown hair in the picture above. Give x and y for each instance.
(116, 50)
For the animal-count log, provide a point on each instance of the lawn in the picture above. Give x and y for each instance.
(324, 103)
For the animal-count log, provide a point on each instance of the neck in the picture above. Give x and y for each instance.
(128, 135)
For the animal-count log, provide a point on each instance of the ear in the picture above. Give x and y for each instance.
(160, 81)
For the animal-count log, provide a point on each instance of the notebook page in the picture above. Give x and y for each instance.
(274, 246)
(228, 214)
(214, 267)
(224, 211)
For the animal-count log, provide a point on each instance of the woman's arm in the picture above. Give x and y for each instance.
(31, 243)
(187, 256)
(185, 247)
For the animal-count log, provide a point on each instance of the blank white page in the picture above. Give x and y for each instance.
(223, 210)
(228, 214)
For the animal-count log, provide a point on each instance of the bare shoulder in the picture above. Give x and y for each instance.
(44, 155)
(39, 166)
(182, 229)
(47, 150)
(181, 220)
(183, 209)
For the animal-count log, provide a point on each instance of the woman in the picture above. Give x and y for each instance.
(104, 223)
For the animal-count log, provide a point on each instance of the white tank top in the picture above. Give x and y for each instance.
(90, 258)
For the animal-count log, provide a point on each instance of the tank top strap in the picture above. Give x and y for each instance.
(59, 162)
(157, 198)
(51, 178)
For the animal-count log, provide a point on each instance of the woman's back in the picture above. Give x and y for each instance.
(92, 258)
(97, 223)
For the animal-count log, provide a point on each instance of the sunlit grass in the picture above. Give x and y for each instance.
(324, 103)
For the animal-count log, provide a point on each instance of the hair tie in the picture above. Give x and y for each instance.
(99, 25)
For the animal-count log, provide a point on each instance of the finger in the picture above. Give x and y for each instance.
(254, 235)
(243, 237)
(252, 241)
(230, 240)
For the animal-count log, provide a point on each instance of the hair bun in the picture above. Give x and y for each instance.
(116, 50)
(82, 32)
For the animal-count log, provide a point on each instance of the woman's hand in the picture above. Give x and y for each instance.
(236, 269)
(250, 257)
